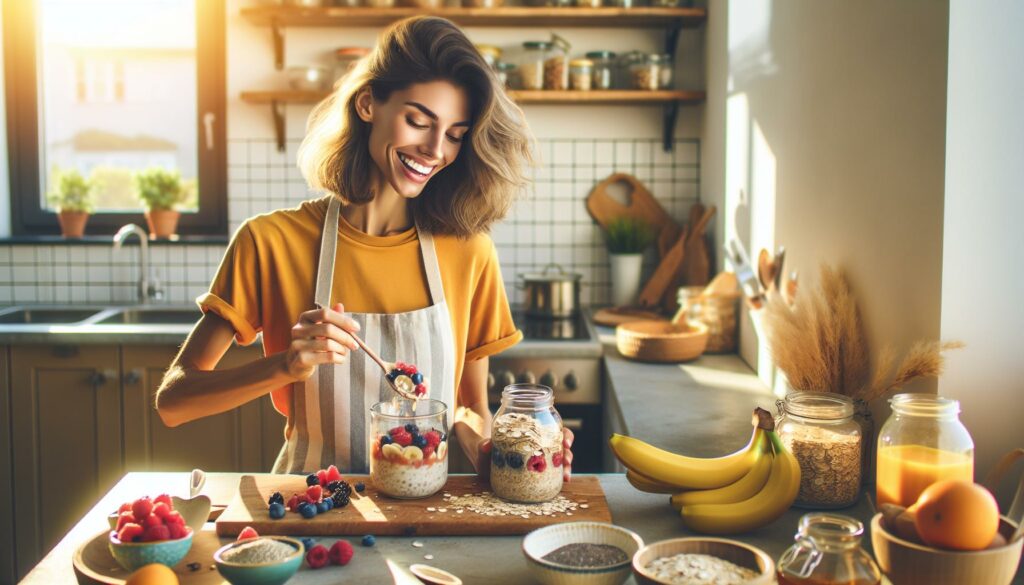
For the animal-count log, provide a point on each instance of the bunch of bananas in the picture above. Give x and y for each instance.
(726, 495)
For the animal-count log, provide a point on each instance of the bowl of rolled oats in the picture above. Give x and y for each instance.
(702, 561)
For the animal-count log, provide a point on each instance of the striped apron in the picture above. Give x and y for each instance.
(331, 410)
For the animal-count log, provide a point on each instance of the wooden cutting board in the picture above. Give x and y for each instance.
(93, 562)
(641, 205)
(375, 513)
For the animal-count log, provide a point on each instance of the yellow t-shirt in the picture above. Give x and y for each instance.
(268, 276)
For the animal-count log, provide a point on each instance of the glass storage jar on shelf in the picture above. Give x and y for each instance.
(506, 73)
(408, 447)
(665, 72)
(346, 58)
(581, 74)
(828, 552)
(491, 54)
(556, 65)
(818, 428)
(531, 64)
(604, 69)
(645, 72)
(589, 3)
(526, 445)
(922, 442)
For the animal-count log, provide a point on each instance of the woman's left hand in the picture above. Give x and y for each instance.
(483, 465)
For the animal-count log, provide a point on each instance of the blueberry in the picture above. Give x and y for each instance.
(308, 542)
(323, 506)
(360, 486)
(391, 375)
(514, 460)
(386, 440)
(420, 441)
(307, 510)
(497, 458)
(276, 498)
(417, 378)
(369, 540)
(276, 511)
(312, 479)
(412, 429)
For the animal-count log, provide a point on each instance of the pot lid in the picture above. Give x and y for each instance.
(552, 273)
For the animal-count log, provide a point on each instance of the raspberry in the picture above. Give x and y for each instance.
(152, 520)
(125, 518)
(165, 499)
(428, 450)
(247, 532)
(556, 459)
(409, 370)
(125, 507)
(130, 532)
(178, 530)
(293, 503)
(396, 430)
(322, 477)
(537, 463)
(433, 438)
(174, 518)
(314, 494)
(420, 390)
(333, 474)
(161, 510)
(142, 507)
(403, 438)
(317, 557)
(155, 533)
(400, 366)
(341, 553)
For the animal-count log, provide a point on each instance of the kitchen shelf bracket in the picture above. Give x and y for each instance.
(277, 110)
(671, 113)
(277, 30)
(672, 38)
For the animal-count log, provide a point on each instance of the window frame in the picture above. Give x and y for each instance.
(28, 215)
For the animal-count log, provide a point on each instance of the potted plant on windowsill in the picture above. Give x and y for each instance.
(72, 195)
(627, 238)
(161, 191)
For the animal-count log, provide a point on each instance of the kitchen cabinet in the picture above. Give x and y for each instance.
(66, 441)
(6, 474)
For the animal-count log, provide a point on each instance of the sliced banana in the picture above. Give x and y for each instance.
(442, 449)
(412, 453)
(404, 384)
(391, 450)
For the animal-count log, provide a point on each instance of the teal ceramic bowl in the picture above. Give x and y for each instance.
(132, 555)
(273, 573)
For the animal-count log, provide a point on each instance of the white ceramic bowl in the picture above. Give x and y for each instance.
(544, 540)
(733, 551)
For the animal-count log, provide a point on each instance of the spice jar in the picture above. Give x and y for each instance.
(346, 58)
(604, 69)
(645, 72)
(490, 53)
(581, 73)
(505, 72)
(922, 442)
(818, 428)
(556, 64)
(408, 447)
(526, 445)
(827, 552)
(531, 65)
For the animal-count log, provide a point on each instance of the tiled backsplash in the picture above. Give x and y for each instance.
(550, 223)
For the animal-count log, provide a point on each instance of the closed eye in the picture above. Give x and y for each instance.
(454, 139)
(412, 123)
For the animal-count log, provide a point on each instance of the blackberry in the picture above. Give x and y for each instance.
(312, 479)
(514, 460)
(340, 499)
(412, 429)
(276, 497)
(360, 486)
(334, 486)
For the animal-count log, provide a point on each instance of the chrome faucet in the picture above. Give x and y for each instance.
(149, 288)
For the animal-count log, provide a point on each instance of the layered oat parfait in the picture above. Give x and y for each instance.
(409, 447)
(526, 445)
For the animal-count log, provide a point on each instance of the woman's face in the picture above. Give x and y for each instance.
(415, 133)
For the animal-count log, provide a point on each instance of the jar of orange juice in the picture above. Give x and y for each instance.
(922, 442)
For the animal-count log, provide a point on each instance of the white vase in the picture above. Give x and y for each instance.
(625, 276)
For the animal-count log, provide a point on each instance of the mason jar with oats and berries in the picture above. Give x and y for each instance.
(526, 445)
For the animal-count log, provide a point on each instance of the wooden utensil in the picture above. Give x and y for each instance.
(696, 266)
(371, 512)
(615, 316)
(642, 205)
(655, 288)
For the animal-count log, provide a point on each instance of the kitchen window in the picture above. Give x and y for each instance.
(109, 88)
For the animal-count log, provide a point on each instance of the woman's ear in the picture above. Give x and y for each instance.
(364, 105)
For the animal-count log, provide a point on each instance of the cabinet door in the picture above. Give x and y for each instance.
(7, 475)
(66, 413)
(214, 443)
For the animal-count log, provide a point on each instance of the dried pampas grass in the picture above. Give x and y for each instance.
(924, 360)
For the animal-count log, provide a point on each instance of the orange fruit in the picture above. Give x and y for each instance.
(153, 574)
(957, 515)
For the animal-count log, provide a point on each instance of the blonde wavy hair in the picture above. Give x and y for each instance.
(471, 193)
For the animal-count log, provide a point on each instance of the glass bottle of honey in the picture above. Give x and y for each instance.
(827, 552)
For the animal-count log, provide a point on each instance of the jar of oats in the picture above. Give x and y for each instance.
(526, 445)
(818, 428)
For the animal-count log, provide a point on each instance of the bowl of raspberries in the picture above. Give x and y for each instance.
(149, 531)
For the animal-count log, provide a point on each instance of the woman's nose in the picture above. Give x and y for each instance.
(433, 145)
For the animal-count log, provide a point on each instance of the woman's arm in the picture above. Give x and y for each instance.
(192, 388)
(472, 416)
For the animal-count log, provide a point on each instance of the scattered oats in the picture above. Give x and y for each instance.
(431, 509)
(525, 516)
(584, 506)
(568, 513)
(442, 510)
(417, 544)
(459, 511)
(487, 504)
(428, 557)
(447, 495)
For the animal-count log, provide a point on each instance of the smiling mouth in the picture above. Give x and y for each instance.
(415, 167)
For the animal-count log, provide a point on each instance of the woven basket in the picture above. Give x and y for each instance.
(661, 341)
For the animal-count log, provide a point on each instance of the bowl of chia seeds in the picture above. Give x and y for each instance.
(267, 560)
(581, 553)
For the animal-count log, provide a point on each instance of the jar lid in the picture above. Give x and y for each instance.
(352, 52)
(544, 45)
(581, 63)
(560, 42)
(656, 58)
(600, 55)
(819, 405)
(504, 66)
(489, 50)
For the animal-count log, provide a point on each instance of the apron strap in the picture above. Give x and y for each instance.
(430, 264)
(328, 251)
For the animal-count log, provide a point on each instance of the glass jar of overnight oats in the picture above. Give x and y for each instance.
(408, 447)
(526, 445)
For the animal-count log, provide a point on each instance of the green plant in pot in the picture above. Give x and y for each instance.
(627, 239)
(72, 195)
(161, 191)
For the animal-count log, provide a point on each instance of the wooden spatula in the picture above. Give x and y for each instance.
(655, 288)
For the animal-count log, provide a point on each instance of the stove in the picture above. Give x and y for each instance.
(565, 355)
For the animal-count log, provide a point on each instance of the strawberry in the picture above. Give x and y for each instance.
(152, 520)
(341, 553)
(317, 557)
(333, 474)
(428, 451)
(174, 518)
(125, 507)
(125, 518)
(155, 533)
(161, 510)
(247, 532)
(142, 507)
(314, 494)
(402, 438)
(165, 499)
(178, 530)
(433, 438)
(130, 532)
(322, 476)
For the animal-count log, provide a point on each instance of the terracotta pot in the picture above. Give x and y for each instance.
(72, 223)
(162, 222)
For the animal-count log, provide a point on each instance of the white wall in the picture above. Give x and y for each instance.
(983, 253)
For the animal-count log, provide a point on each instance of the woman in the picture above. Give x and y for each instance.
(420, 151)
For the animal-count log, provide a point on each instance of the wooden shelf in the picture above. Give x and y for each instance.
(284, 16)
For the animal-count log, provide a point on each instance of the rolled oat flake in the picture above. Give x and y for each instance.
(585, 554)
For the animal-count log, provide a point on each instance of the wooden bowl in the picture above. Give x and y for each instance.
(907, 563)
(733, 551)
(661, 341)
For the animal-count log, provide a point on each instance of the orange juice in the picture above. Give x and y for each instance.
(905, 471)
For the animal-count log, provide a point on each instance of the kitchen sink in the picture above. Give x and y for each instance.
(46, 315)
(151, 316)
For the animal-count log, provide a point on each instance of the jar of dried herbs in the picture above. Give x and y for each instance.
(818, 428)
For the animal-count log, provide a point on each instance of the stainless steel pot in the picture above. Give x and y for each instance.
(552, 293)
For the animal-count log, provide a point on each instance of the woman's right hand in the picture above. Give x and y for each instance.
(320, 337)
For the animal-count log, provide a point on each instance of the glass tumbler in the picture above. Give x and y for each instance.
(408, 447)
